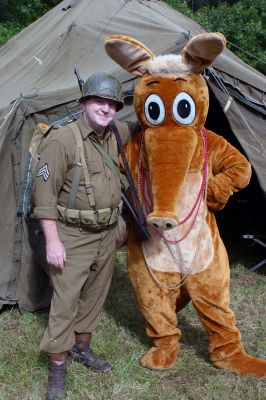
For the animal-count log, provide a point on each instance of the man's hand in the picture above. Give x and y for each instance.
(55, 254)
(55, 250)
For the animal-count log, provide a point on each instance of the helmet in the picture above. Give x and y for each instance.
(104, 85)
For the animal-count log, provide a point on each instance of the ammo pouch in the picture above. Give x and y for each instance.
(92, 220)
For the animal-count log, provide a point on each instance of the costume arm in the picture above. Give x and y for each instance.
(55, 251)
(229, 171)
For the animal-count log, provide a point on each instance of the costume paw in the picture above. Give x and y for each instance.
(243, 364)
(160, 358)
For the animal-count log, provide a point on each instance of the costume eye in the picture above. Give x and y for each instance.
(184, 109)
(154, 109)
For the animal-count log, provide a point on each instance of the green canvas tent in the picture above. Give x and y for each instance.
(38, 85)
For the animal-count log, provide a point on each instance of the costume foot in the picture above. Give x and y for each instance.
(56, 382)
(243, 364)
(81, 352)
(160, 358)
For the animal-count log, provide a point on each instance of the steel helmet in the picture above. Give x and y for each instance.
(104, 85)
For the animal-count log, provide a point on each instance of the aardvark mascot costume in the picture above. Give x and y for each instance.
(184, 173)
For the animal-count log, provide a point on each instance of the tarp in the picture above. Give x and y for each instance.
(38, 85)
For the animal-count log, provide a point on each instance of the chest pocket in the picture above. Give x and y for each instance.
(94, 167)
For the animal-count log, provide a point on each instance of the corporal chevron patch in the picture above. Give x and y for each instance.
(44, 172)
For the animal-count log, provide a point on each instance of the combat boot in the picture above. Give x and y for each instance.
(82, 352)
(56, 378)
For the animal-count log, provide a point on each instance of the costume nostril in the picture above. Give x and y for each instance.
(155, 225)
(168, 225)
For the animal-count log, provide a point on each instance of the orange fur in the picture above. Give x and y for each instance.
(193, 264)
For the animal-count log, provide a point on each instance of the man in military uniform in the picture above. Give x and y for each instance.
(78, 213)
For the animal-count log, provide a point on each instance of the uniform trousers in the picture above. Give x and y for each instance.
(80, 289)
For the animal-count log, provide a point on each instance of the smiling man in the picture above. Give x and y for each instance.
(78, 200)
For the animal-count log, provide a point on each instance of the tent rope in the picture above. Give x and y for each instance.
(241, 115)
(247, 52)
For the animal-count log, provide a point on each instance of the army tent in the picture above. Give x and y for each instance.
(38, 85)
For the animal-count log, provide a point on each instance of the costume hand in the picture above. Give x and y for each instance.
(56, 254)
(218, 193)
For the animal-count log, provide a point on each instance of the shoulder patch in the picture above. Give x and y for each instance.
(44, 172)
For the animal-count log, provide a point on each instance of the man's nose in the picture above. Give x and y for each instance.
(105, 107)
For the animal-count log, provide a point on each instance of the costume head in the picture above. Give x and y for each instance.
(171, 102)
(104, 85)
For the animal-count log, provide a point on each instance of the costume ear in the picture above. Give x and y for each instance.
(202, 50)
(129, 53)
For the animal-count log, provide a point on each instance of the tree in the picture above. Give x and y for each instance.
(24, 11)
(243, 23)
(16, 15)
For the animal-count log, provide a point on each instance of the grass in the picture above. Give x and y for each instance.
(121, 339)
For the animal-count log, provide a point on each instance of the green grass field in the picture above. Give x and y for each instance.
(121, 339)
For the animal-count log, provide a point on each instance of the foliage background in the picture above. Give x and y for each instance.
(243, 22)
(16, 15)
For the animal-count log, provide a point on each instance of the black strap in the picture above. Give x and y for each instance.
(132, 186)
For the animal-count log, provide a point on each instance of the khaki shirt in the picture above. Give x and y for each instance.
(56, 167)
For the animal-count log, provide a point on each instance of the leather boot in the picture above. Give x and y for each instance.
(82, 352)
(56, 378)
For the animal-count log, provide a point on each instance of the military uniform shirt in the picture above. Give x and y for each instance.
(56, 168)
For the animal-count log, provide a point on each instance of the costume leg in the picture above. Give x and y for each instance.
(209, 291)
(158, 307)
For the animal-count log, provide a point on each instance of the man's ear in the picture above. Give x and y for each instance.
(202, 50)
(129, 53)
(81, 103)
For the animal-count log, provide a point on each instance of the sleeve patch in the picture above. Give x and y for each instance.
(44, 172)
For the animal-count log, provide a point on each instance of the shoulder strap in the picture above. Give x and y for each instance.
(110, 163)
(88, 186)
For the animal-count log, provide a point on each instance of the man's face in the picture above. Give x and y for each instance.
(99, 112)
